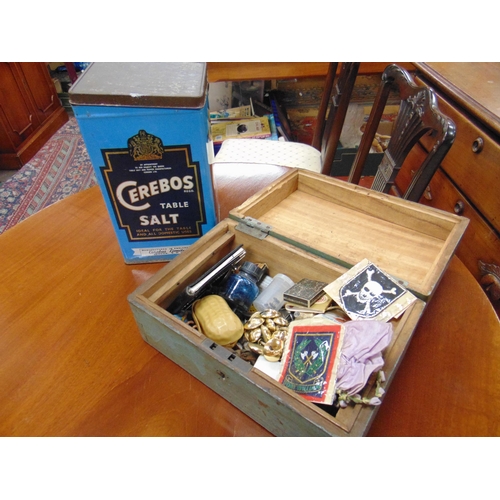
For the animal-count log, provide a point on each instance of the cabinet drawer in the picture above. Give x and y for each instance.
(479, 241)
(473, 163)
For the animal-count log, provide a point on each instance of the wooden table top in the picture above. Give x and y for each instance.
(238, 71)
(73, 363)
(473, 85)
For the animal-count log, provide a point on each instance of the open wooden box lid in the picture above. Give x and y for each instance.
(345, 223)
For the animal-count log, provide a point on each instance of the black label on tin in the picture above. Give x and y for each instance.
(156, 190)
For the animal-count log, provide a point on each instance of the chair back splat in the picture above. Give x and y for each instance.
(327, 134)
(418, 115)
(323, 106)
(317, 157)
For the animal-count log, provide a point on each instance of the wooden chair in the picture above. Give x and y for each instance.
(418, 115)
(319, 156)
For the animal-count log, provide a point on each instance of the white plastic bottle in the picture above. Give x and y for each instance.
(272, 296)
(265, 282)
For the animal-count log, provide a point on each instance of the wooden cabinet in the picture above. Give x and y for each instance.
(237, 71)
(30, 112)
(468, 181)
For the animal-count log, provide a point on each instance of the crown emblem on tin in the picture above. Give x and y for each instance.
(144, 146)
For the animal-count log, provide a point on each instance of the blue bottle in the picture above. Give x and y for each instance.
(241, 288)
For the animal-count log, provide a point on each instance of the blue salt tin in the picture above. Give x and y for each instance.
(146, 129)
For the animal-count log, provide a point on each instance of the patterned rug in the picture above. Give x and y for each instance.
(62, 167)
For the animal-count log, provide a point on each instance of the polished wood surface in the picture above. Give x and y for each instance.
(448, 382)
(234, 71)
(73, 363)
(469, 176)
(30, 111)
(473, 85)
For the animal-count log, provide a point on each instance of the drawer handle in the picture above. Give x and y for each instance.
(30, 120)
(490, 279)
(459, 207)
(49, 105)
(477, 145)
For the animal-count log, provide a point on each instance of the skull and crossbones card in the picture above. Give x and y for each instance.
(366, 292)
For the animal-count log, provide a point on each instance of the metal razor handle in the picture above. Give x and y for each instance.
(217, 271)
(209, 278)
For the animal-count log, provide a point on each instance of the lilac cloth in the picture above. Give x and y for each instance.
(361, 353)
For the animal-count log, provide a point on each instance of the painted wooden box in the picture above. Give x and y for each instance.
(308, 225)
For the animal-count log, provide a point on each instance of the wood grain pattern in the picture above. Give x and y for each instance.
(473, 85)
(307, 212)
(279, 410)
(469, 175)
(72, 361)
(30, 112)
(448, 382)
(474, 172)
(234, 71)
(349, 222)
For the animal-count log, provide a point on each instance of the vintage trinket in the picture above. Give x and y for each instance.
(241, 288)
(146, 129)
(215, 319)
(340, 225)
(266, 333)
(305, 292)
(311, 361)
(367, 292)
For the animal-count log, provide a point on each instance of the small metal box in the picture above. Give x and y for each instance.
(146, 128)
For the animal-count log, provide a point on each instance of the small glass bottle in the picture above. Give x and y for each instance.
(241, 288)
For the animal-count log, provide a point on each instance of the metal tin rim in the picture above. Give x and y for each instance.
(81, 93)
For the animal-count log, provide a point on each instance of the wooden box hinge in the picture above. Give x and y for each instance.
(254, 227)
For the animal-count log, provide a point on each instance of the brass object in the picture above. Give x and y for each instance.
(266, 334)
(256, 348)
(253, 335)
(270, 324)
(273, 349)
(281, 334)
(477, 145)
(280, 321)
(269, 314)
(490, 279)
(253, 323)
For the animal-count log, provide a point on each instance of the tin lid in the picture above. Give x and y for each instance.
(142, 84)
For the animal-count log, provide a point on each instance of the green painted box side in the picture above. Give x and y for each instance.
(230, 379)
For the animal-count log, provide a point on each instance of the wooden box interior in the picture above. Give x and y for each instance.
(320, 227)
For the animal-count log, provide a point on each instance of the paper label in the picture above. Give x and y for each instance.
(156, 191)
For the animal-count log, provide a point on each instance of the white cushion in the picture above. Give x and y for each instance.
(262, 151)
